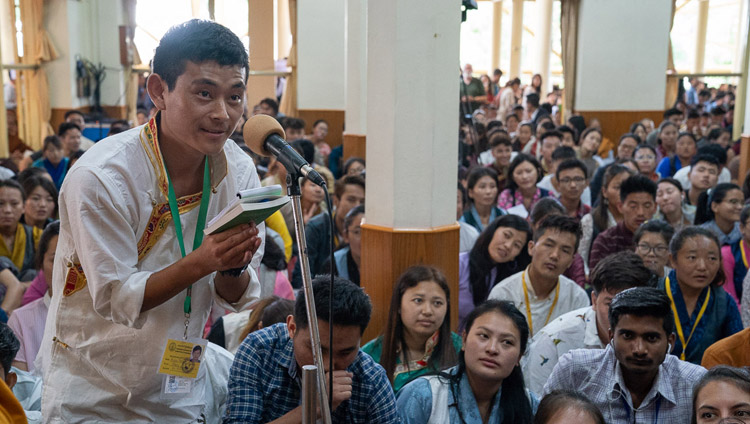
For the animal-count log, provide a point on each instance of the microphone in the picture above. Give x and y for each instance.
(264, 136)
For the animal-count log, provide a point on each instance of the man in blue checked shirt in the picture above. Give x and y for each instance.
(265, 379)
(634, 379)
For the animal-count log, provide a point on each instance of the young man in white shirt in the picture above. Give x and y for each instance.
(540, 291)
(128, 284)
(585, 328)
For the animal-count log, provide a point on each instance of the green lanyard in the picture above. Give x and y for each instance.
(206, 195)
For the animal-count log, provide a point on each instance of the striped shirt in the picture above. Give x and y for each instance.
(264, 383)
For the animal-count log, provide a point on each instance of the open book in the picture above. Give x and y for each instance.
(255, 204)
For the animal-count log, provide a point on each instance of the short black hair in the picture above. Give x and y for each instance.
(67, 126)
(715, 133)
(306, 148)
(744, 215)
(563, 152)
(571, 164)
(351, 161)
(687, 134)
(351, 306)
(693, 114)
(705, 157)
(197, 41)
(714, 150)
(288, 122)
(495, 123)
(532, 99)
(340, 185)
(197, 347)
(642, 302)
(273, 104)
(620, 271)
(637, 184)
(499, 137)
(672, 112)
(550, 133)
(73, 112)
(663, 228)
(52, 140)
(13, 184)
(353, 212)
(674, 182)
(121, 125)
(561, 223)
(560, 400)
(546, 206)
(718, 110)
(566, 129)
(9, 346)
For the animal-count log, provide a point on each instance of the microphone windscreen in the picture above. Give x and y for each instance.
(256, 131)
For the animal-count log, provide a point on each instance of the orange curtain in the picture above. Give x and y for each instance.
(569, 32)
(673, 81)
(289, 99)
(32, 88)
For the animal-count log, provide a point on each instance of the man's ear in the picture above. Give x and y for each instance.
(530, 247)
(157, 88)
(10, 379)
(291, 326)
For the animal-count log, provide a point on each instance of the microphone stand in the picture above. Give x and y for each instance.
(294, 191)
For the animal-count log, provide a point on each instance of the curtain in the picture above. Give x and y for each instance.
(289, 99)
(673, 81)
(32, 93)
(569, 10)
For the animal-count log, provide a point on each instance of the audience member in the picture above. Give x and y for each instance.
(735, 256)
(548, 142)
(230, 330)
(652, 245)
(472, 91)
(40, 206)
(667, 140)
(417, 338)
(568, 136)
(348, 193)
(118, 126)
(721, 213)
(263, 381)
(639, 130)
(502, 150)
(468, 234)
(722, 396)
(567, 406)
(703, 311)
(685, 149)
(269, 106)
(11, 410)
(483, 203)
(487, 385)
(725, 176)
(571, 177)
(645, 158)
(638, 204)
(318, 137)
(594, 188)
(273, 272)
(348, 258)
(54, 161)
(312, 200)
(76, 117)
(672, 207)
(703, 175)
(588, 327)
(507, 99)
(555, 242)
(606, 214)
(28, 321)
(354, 166)
(500, 251)
(545, 208)
(70, 138)
(522, 193)
(634, 379)
(591, 138)
(523, 137)
(626, 146)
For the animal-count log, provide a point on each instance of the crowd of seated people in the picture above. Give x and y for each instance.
(600, 280)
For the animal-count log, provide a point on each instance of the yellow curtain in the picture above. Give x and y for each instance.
(33, 96)
(672, 81)
(569, 32)
(131, 90)
(289, 99)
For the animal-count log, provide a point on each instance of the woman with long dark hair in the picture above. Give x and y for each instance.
(719, 211)
(487, 384)
(482, 191)
(417, 338)
(499, 252)
(523, 175)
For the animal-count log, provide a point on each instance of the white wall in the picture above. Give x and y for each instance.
(89, 29)
(622, 54)
(320, 54)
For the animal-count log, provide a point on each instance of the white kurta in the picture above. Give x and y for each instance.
(572, 297)
(115, 223)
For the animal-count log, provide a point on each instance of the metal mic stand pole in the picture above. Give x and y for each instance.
(293, 188)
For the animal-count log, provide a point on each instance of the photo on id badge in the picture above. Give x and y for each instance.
(182, 358)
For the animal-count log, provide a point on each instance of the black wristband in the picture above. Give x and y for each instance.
(233, 272)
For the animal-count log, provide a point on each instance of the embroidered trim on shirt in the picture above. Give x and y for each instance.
(75, 279)
(159, 220)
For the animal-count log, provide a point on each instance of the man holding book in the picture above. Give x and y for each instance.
(133, 285)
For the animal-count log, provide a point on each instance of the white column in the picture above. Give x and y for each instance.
(542, 41)
(700, 36)
(516, 36)
(355, 73)
(412, 112)
(497, 25)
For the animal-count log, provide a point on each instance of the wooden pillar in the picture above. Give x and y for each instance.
(516, 36)
(700, 36)
(261, 31)
(497, 25)
(411, 155)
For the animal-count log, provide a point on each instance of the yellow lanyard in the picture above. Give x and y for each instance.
(742, 250)
(677, 318)
(528, 305)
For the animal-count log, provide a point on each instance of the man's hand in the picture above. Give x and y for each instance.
(233, 248)
(342, 387)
